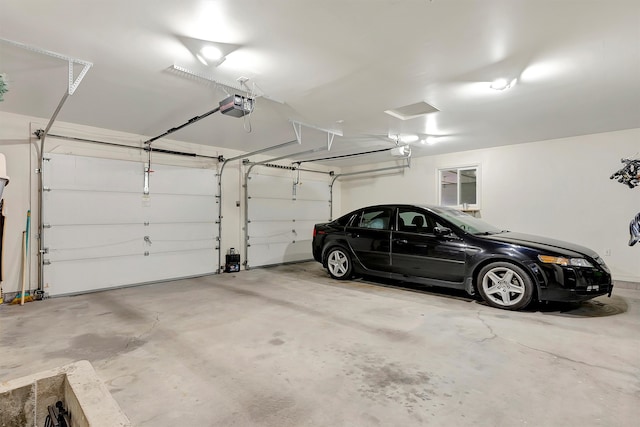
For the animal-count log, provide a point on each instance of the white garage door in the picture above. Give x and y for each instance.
(101, 231)
(280, 227)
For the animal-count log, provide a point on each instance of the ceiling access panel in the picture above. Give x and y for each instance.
(280, 219)
(100, 231)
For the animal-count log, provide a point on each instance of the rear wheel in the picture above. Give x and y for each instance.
(339, 264)
(505, 285)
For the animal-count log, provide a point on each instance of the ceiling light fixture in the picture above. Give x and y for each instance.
(209, 53)
(408, 138)
(502, 84)
(430, 140)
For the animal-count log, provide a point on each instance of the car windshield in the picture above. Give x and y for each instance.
(466, 222)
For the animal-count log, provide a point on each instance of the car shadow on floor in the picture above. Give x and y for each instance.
(597, 307)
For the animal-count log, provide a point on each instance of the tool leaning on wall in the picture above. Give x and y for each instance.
(4, 181)
(629, 175)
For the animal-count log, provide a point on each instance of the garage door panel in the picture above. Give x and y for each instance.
(180, 237)
(266, 209)
(281, 225)
(271, 186)
(311, 209)
(171, 180)
(314, 190)
(104, 273)
(93, 274)
(161, 207)
(98, 238)
(71, 207)
(275, 231)
(278, 253)
(82, 242)
(89, 173)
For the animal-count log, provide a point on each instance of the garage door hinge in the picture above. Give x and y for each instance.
(46, 188)
(46, 225)
(37, 170)
(44, 251)
(146, 253)
(46, 262)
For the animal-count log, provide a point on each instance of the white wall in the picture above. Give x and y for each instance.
(14, 144)
(557, 188)
(20, 149)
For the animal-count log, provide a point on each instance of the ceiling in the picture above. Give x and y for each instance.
(334, 65)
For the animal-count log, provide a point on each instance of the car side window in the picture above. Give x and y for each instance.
(377, 218)
(414, 221)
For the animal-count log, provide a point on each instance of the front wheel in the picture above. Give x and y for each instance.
(339, 264)
(505, 285)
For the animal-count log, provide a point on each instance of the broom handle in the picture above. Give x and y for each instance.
(24, 265)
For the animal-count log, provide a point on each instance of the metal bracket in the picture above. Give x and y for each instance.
(46, 225)
(46, 262)
(73, 84)
(44, 250)
(330, 140)
(331, 133)
(147, 240)
(145, 189)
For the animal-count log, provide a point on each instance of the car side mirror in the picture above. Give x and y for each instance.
(442, 231)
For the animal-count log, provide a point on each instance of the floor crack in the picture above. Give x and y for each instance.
(568, 359)
(493, 334)
(138, 337)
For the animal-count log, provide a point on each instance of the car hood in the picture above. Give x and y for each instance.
(542, 243)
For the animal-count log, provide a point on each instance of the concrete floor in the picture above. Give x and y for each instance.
(288, 346)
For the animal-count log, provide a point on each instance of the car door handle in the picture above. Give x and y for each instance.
(355, 235)
(401, 241)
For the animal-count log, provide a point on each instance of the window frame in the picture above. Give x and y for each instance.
(469, 207)
(355, 221)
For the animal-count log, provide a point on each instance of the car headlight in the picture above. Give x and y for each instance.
(574, 262)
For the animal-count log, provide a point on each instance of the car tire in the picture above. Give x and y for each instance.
(505, 285)
(339, 263)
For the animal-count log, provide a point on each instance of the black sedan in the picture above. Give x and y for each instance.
(440, 246)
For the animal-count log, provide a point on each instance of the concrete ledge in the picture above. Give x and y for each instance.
(24, 401)
(621, 284)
